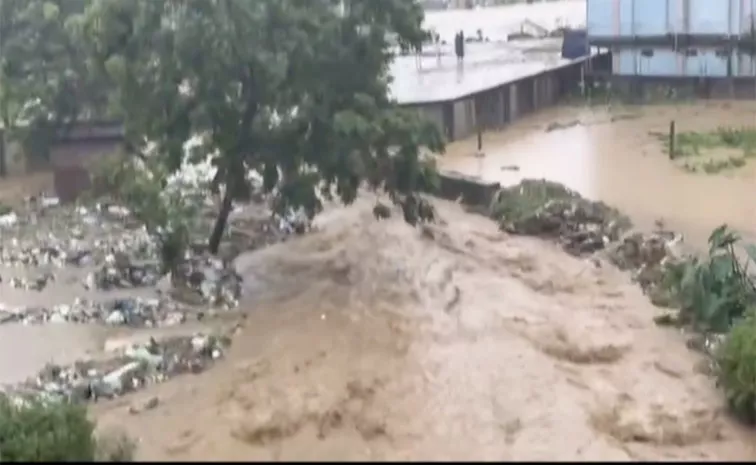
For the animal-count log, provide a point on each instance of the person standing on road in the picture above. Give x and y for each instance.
(462, 46)
(458, 46)
(437, 39)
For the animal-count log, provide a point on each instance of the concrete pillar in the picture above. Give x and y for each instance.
(514, 111)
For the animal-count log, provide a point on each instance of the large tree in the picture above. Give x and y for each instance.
(296, 90)
(44, 84)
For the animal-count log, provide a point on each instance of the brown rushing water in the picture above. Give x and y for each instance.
(370, 341)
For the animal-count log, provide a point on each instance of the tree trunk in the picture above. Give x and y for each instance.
(221, 222)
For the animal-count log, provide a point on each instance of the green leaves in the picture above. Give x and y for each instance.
(736, 360)
(715, 291)
(45, 433)
(44, 80)
(289, 88)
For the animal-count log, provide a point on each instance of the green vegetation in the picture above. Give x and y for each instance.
(54, 432)
(297, 92)
(714, 291)
(716, 295)
(293, 90)
(713, 152)
(527, 198)
(44, 83)
(736, 359)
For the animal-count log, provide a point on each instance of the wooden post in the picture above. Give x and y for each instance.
(480, 140)
(672, 140)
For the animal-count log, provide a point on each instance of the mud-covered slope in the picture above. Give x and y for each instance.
(373, 340)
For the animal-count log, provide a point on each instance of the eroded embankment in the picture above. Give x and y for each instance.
(374, 340)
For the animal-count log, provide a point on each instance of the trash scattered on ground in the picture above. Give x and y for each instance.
(647, 256)
(100, 247)
(131, 369)
(211, 279)
(550, 210)
(133, 312)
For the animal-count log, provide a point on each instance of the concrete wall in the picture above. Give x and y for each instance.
(84, 144)
(471, 191)
(653, 88)
(700, 61)
(496, 108)
(70, 159)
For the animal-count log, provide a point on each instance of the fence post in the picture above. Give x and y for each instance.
(672, 140)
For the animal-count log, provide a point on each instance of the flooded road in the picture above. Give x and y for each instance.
(614, 156)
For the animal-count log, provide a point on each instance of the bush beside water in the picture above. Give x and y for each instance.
(714, 294)
(37, 431)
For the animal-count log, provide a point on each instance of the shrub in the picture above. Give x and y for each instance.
(736, 360)
(41, 432)
(714, 291)
(38, 431)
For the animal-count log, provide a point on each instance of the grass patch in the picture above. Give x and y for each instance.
(724, 149)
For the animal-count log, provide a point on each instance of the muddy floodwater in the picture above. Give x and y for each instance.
(614, 154)
(371, 340)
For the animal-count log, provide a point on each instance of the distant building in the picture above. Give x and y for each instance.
(699, 48)
(675, 38)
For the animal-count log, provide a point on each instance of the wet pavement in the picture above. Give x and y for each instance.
(486, 65)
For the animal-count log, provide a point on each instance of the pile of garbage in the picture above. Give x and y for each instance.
(205, 278)
(121, 272)
(133, 312)
(129, 370)
(650, 257)
(550, 210)
(72, 236)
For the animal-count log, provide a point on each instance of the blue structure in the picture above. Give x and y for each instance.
(653, 21)
(575, 44)
(675, 38)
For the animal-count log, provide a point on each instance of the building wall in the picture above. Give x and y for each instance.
(655, 18)
(496, 108)
(694, 61)
(652, 88)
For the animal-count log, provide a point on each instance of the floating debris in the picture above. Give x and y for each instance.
(133, 312)
(132, 369)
